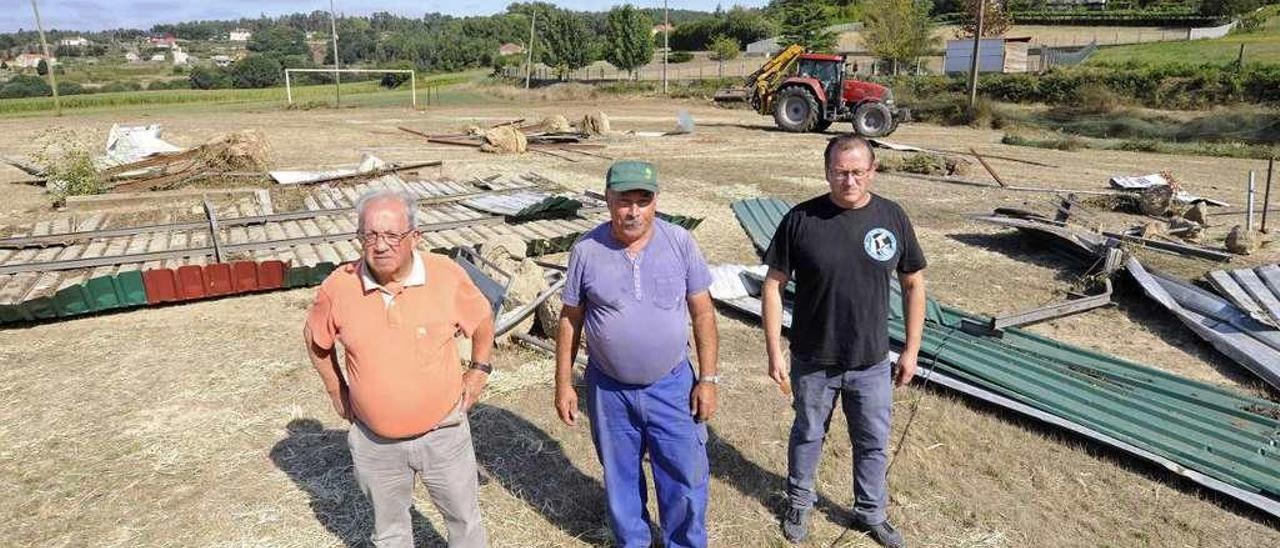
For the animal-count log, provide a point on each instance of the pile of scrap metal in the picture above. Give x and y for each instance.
(76, 263)
(1160, 196)
(552, 136)
(1215, 437)
(1237, 330)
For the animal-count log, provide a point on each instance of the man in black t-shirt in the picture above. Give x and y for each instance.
(841, 248)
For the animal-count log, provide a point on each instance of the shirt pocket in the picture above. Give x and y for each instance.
(669, 288)
(432, 338)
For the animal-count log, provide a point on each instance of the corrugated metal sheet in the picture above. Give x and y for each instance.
(1221, 439)
(760, 218)
(1241, 338)
(527, 204)
(1254, 290)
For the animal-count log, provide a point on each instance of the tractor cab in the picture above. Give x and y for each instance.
(828, 70)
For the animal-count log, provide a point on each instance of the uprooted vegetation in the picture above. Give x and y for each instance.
(67, 163)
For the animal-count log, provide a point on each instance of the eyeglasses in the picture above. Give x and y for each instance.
(392, 238)
(859, 174)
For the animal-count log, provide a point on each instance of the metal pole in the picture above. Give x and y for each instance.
(666, 44)
(1266, 195)
(413, 88)
(528, 69)
(48, 61)
(288, 91)
(337, 76)
(973, 62)
(1249, 220)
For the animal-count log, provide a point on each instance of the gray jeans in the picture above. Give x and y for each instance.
(446, 462)
(867, 397)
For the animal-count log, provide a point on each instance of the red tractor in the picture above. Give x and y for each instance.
(808, 92)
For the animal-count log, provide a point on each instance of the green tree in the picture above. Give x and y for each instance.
(898, 30)
(805, 22)
(724, 48)
(995, 19)
(255, 71)
(628, 45)
(566, 35)
(1219, 8)
(209, 78)
(42, 68)
(279, 41)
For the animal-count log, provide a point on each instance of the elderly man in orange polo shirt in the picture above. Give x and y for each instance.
(397, 314)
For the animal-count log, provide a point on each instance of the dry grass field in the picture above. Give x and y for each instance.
(204, 425)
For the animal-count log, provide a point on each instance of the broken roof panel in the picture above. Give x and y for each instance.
(1254, 290)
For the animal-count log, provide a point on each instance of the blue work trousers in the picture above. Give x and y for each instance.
(628, 420)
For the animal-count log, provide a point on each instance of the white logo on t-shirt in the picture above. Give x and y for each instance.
(880, 244)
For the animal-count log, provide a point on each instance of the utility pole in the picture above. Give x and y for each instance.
(337, 76)
(973, 63)
(528, 69)
(48, 60)
(666, 43)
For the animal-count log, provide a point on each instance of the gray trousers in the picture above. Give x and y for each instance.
(867, 397)
(446, 462)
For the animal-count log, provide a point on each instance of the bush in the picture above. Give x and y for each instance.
(25, 85)
(209, 78)
(255, 71)
(392, 80)
(70, 88)
(679, 57)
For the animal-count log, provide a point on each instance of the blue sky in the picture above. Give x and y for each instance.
(109, 14)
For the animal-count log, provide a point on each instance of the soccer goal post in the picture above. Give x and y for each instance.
(413, 79)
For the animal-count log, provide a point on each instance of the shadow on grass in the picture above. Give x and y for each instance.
(532, 466)
(319, 462)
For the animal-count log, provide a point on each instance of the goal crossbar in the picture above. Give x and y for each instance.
(413, 79)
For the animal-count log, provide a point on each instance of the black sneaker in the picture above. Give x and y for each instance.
(884, 535)
(795, 526)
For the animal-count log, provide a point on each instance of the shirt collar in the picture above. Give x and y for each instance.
(417, 276)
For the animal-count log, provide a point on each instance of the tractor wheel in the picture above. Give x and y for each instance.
(795, 110)
(821, 126)
(873, 120)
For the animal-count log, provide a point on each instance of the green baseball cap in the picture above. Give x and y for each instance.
(627, 175)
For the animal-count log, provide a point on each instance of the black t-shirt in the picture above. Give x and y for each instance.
(841, 260)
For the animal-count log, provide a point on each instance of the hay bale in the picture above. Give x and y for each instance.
(1198, 214)
(504, 249)
(504, 140)
(548, 314)
(527, 281)
(594, 124)
(238, 151)
(1155, 200)
(1241, 241)
(554, 124)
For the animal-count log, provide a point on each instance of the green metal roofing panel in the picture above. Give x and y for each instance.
(760, 218)
(1228, 437)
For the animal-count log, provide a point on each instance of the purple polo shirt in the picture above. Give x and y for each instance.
(636, 316)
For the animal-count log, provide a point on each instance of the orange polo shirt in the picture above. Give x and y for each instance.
(401, 361)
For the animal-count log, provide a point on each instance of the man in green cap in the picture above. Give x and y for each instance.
(632, 284)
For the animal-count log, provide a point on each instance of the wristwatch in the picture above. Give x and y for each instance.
(710, 379)
(482, 367)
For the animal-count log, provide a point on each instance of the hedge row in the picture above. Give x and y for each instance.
(1173, 87)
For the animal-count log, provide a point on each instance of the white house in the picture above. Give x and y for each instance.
(240, 35)
(31, 60)
(221, 60)
(180, 57)
(159, 57)
(78, 41)
(131, 57)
